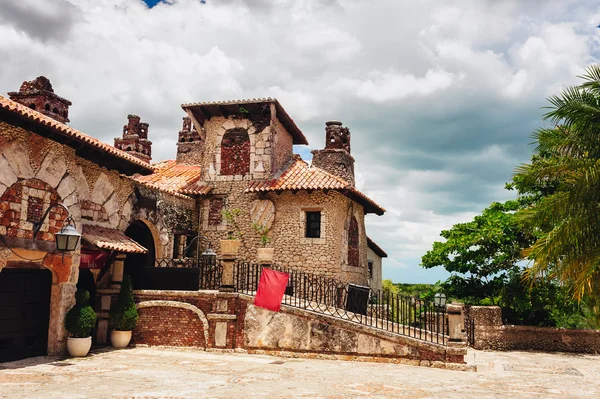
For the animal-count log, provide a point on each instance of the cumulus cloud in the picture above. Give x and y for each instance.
(440, 97)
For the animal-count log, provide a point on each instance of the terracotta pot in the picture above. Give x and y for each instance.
(120, 339)
(230, 247)
(265, 254)
(79, 347)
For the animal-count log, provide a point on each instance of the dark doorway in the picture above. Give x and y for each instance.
(24, 313)
(135, 263)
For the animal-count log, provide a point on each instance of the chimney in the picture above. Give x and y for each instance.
(135, 139)
(38, 94)
(190, 146)
(335, 158)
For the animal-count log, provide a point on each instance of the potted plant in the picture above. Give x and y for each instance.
(264, 254)
(231, 245)
(124, 316)
(79, 322)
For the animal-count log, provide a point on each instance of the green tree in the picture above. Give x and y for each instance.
(480, 254)
(567, 220)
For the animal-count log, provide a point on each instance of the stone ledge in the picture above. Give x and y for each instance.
(164, 293)
(221, 316)
(360, 358)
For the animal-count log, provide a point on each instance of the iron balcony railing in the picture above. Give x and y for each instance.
(395, 313)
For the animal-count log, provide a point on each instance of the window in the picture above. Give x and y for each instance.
(370, 269)
(353, 250)
(313, 224)
(215, 206)
(235, 152)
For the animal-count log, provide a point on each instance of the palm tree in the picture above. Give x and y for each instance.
(568, 219)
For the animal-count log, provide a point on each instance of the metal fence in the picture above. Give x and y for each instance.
(206, 273)
(398, 314)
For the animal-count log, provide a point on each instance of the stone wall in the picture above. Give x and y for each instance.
(297, 330)
(490, 333)
(327, 255)
(37, 172)
(231, 321)
(376, 281)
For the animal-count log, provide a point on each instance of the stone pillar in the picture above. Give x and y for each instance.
(117, 272)
(456, 325)
(62, 299)
(228, 262)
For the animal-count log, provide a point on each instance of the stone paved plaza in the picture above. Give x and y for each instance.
(186, 373)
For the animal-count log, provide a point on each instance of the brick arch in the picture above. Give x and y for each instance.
(23, 204)
(235, 152)
(145, 333)
(353, 243)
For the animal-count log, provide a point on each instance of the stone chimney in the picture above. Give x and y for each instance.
(190, 146)
(38, 94)
(335, 158)
(135, 139)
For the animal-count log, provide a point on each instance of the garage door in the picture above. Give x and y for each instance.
(24, 313)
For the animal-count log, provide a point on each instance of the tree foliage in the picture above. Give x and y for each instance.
(567, 220)
(125, 315)
(80, 320)
(479, 254)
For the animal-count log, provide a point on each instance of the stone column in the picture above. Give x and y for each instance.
(456, 325)
(62, 299)
(117, 271)
(228, 262)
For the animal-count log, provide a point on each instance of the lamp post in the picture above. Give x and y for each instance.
(439, 299)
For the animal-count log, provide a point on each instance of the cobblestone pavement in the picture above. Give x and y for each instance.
(186, 373)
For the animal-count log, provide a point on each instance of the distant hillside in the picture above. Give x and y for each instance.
(408, 289)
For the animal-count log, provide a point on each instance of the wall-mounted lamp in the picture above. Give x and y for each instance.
(67, 239)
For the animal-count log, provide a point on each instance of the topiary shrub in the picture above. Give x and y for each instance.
(80, 320)
(124, 315)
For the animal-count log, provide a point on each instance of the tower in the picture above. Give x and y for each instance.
(135, 139)
(335, 158)
(38, 94)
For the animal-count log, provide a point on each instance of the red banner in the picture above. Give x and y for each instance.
(271, 288)
(92, 259)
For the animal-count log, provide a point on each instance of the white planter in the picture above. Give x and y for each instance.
(265, 254)
(79, 347)
(120, 339)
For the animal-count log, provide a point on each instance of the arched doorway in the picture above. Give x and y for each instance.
(135, 263)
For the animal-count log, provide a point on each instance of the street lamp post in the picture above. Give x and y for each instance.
(67, 239)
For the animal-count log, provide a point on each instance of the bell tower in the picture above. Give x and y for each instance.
(335, 158)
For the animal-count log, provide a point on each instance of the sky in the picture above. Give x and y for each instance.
(440, 97)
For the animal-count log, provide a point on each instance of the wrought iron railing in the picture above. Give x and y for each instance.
(398, 314)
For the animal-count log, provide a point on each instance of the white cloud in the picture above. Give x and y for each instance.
(440, 97)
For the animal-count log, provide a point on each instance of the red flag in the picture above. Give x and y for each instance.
(271, 288)
(91, 259)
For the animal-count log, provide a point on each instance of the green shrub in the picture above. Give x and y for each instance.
(124, 315)
(80, 320)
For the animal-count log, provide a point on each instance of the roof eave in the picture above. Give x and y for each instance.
(82, 149)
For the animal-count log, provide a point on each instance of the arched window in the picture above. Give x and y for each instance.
(55, 110)
(353, 247)
(32, 106)
(235, 152)
(47, 107)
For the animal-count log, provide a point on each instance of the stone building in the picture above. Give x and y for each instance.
(230, 155)
(44, 163)
(375, 257)
(239, 155)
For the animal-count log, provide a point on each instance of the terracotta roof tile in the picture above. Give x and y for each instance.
(171, 176)
(299, 176)
(66, 130)
(111, 239)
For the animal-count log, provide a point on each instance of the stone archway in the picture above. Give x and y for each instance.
(140, 232)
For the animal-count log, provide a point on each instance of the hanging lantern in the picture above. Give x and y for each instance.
(68, 237)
